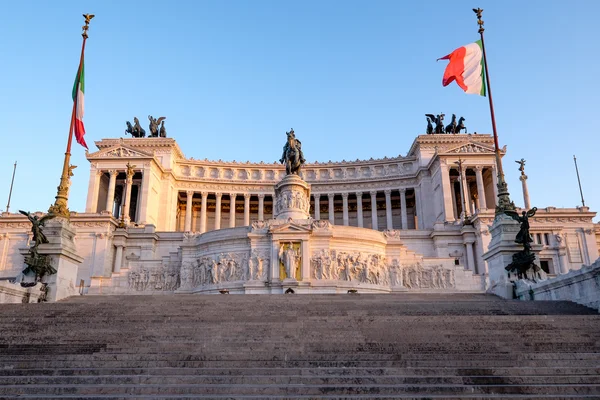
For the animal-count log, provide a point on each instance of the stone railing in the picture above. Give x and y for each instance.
(580, 286)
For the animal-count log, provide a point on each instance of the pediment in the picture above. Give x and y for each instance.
(119, 151)
(290, 227)
(469, 148)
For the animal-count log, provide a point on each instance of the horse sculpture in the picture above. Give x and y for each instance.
(292, 154)
(451, 127)
(460, 126)
(136, 129)
(439, 123)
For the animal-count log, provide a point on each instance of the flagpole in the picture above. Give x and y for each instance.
(60, 206)
(13, 181)
(578, 181)
(504, 202)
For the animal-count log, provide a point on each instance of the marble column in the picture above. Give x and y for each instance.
(454, 205)
(218, 211)
(188, 211)
(470, 255)
(128, 183)
(374, 210)
(495, 184)
(317, 198)
(145, 195)
(93, 190)
(480, 187)
(203, 212)
(261, 207)
(345, 208)
(110, 197)
(466, 192)
(232, 197)
(388, 208)
(359, 209)
(118, 259)
(523, 179)
(331, 209)
(403, 208)
(446, 191)
(247, 209)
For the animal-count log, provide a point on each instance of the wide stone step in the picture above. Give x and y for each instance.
(292, 389)
(271, 379)
(344, 371)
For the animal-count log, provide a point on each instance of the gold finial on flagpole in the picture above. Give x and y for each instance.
(60, 207)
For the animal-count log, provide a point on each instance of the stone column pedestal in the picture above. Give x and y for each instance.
(500, 254)
(63, 257)
(292, 198)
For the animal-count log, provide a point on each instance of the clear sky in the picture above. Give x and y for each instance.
(353, 78)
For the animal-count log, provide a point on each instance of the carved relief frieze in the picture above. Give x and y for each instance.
(163, 278)
(219, 268)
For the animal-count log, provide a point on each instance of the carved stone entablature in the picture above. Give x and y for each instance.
(470, 148)
(150, 145)
(444, 143)
(119, 152)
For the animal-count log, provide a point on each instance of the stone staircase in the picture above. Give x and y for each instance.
(404, 346)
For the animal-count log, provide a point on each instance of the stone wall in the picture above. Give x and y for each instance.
(580, 286)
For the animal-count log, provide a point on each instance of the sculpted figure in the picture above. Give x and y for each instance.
(136, 129)
(154, 125)
(292, 156)
(460, 126)
(523, 237)
(36, 227)
(439, 122)
(289, 257)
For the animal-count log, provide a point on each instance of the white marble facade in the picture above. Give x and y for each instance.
(378, 225)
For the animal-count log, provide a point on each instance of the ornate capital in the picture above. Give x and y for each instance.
(331, 196)
(345, 196)
(359, 195)
(113, 172)
(232, 195)
(402, 190)
(316, 196)
(190, 193)
(99, 172)
(387, 192)
(373, 193)
(204, 194)
(523, 177)
(261, 195)
(247, 196)
(478, 168)
(218, 195)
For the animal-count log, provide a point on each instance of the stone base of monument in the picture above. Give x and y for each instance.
(292, 198)
(256, 287)
(63, 257)
(500, 254)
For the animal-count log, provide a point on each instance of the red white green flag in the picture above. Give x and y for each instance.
(78, 91)
(466, 68)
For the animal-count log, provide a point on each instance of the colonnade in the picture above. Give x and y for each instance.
(122, 179)
(476, 198)
(321, 203)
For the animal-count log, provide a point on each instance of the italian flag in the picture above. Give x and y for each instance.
(78, 91)
(466, 68)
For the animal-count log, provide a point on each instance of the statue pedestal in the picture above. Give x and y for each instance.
(292, 198)
(500, 254)
(63, 257)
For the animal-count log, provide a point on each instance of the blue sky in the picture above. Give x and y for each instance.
(353, 78)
